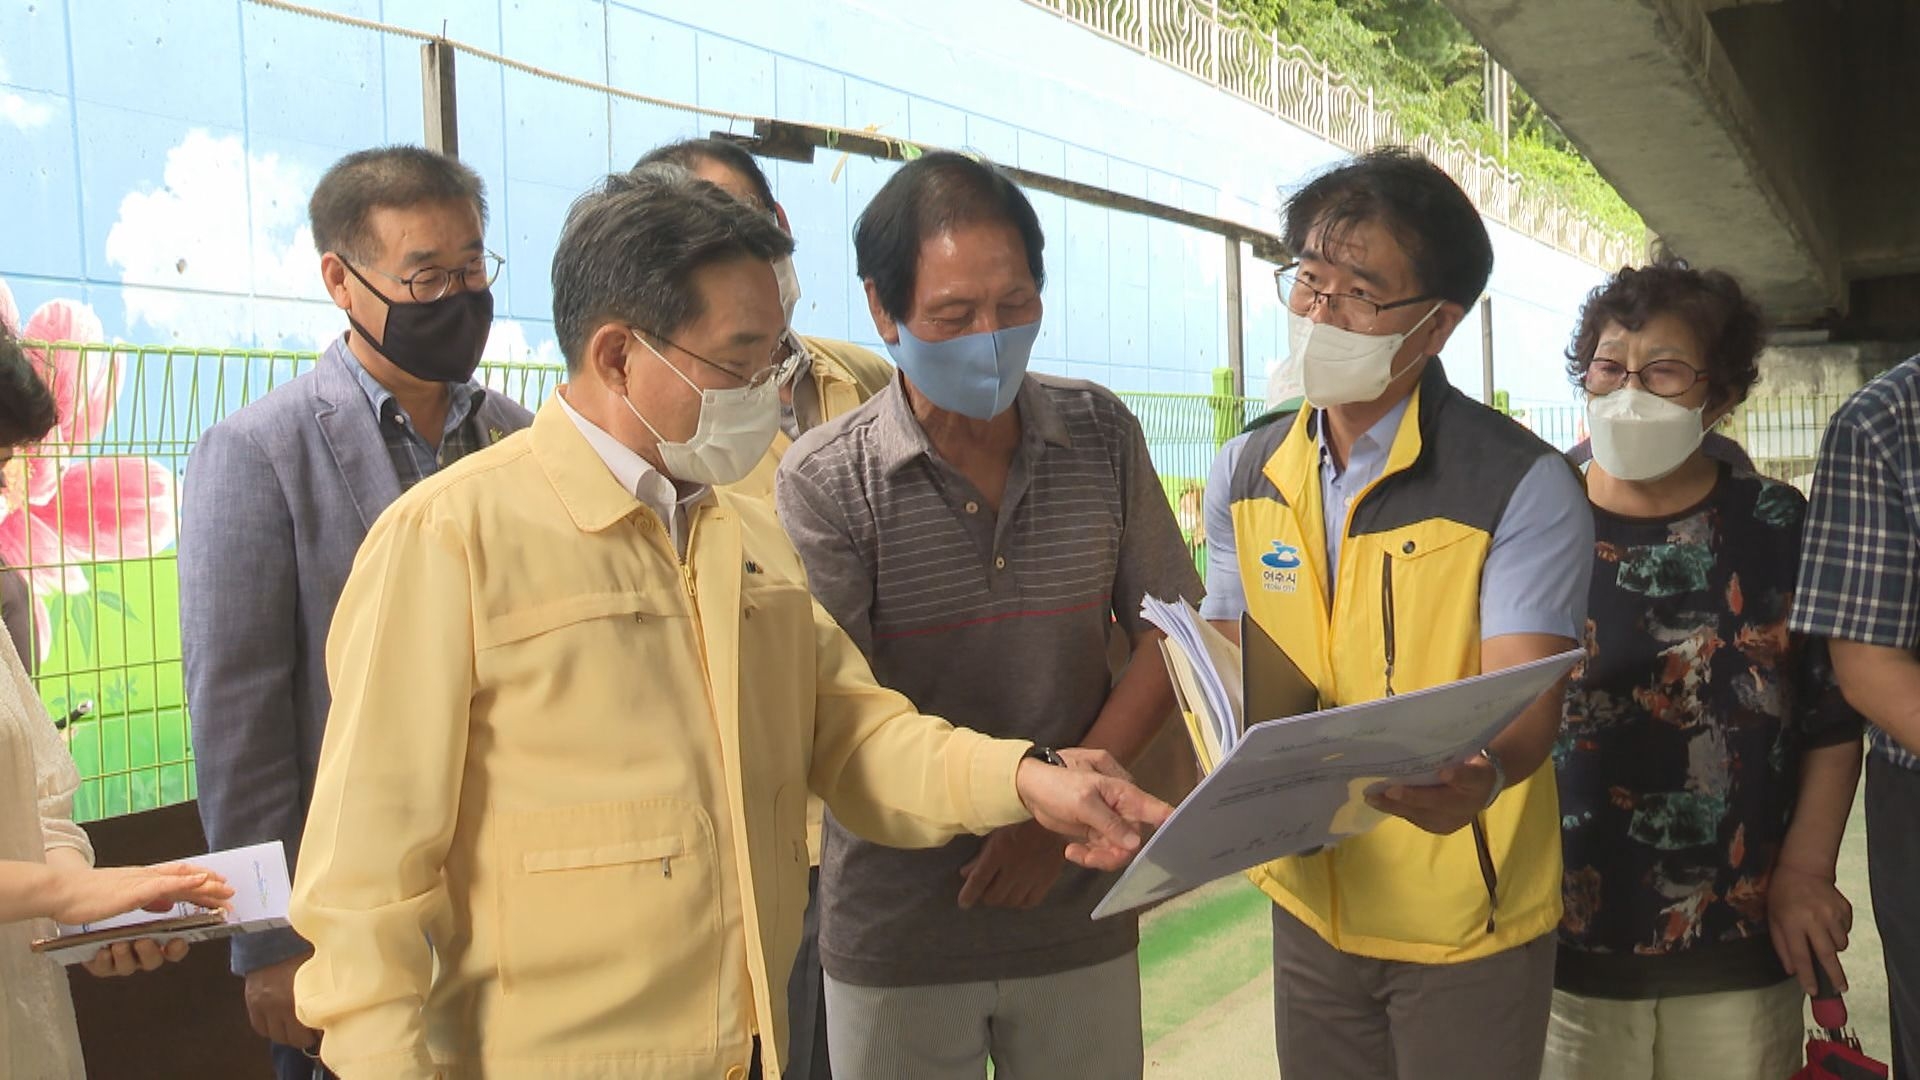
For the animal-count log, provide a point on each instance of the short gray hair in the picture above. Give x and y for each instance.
(631, 246)
(384, 177)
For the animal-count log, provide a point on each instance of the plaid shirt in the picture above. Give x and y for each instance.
(413, 459)
(1860, 561)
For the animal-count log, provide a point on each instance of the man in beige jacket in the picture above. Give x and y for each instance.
(580, 698)
(831, 378)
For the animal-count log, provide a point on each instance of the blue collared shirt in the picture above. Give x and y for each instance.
(1340, 488)
(413, 459)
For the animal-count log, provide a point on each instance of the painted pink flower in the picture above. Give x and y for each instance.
(61, 508)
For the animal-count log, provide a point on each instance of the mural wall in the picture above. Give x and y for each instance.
(160, 156)
(156, 159)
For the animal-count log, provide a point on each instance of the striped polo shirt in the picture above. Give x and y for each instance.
(995, 621)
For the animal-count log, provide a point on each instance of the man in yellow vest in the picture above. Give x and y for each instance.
(1394, 535)
(831, 377)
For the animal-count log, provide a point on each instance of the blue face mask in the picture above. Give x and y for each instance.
(975, 375)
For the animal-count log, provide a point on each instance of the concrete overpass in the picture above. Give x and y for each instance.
(1776, 139)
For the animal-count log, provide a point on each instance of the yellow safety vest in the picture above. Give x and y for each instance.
(1405, 615)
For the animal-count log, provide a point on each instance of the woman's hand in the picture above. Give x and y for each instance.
(90, 894)
(1809, 921)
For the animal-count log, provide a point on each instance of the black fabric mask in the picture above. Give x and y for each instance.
(436, 342)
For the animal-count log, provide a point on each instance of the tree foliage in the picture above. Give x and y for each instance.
(1426, 69)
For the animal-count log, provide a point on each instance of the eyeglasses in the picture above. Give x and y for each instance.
(1356, 313)
(430, 283)
(1662, 378)
(781, 364)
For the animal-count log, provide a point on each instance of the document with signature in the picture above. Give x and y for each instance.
(261, 890)
(1298, 779)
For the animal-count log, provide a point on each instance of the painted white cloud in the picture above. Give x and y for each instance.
(537, 368)
(191, 258)
(23, 114)
(18, 111)
(507, 343)
(199, 272)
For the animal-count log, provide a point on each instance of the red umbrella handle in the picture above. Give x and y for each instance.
(1829, 1011)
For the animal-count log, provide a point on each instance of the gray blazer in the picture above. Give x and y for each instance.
(277, 498)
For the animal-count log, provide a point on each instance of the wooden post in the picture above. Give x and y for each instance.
(1236, 342)
(437, 92)
(1486, 350)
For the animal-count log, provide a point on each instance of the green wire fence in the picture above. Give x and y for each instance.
(88, 518)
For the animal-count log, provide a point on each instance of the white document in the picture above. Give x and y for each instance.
(1300, 782)
(1196, 655)
(261, 890)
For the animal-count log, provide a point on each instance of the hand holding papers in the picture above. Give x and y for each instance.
(1299, 778)
(258, 875)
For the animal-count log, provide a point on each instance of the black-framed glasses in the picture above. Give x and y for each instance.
(430, 283)
(781, 364)
(1346, 310)
(1662, 378)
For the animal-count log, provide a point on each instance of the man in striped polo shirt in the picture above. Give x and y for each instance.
(977, 530)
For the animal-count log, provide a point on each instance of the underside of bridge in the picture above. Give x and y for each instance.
(1775, 139)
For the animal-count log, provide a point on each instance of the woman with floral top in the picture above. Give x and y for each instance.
(1707, 762)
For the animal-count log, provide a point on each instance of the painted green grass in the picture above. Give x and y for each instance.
(117, 646)
(1197, 950)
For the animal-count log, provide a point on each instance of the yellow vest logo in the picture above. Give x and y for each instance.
(1280, 568)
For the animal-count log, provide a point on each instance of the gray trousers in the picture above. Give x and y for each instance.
(1343, 1017)
(807, 999)
(1082, 1024)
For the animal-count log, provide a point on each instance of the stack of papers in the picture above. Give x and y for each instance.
(1196, 654)
(261, 890)
(1299, 778)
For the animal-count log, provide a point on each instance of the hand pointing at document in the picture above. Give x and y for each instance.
(1092, 802)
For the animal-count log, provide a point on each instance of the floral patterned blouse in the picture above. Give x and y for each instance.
(1678, 762)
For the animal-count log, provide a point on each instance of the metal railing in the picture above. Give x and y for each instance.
(91, 512)
(89, 518)
(1222, 49)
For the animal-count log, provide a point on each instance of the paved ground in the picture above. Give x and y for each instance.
(1208, 1000)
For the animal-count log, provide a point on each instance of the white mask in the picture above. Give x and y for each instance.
(789, 280)
(1341, 367)
(732, 435)
(1642, 436)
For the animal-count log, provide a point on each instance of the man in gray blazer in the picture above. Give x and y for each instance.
(279, 495)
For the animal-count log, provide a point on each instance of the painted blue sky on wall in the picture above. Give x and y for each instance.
(160, 156)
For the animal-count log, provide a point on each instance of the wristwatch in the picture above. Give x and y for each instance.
(1046, 755)
(1499, 775)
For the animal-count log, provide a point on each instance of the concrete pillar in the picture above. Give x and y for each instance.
(1801, 386)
